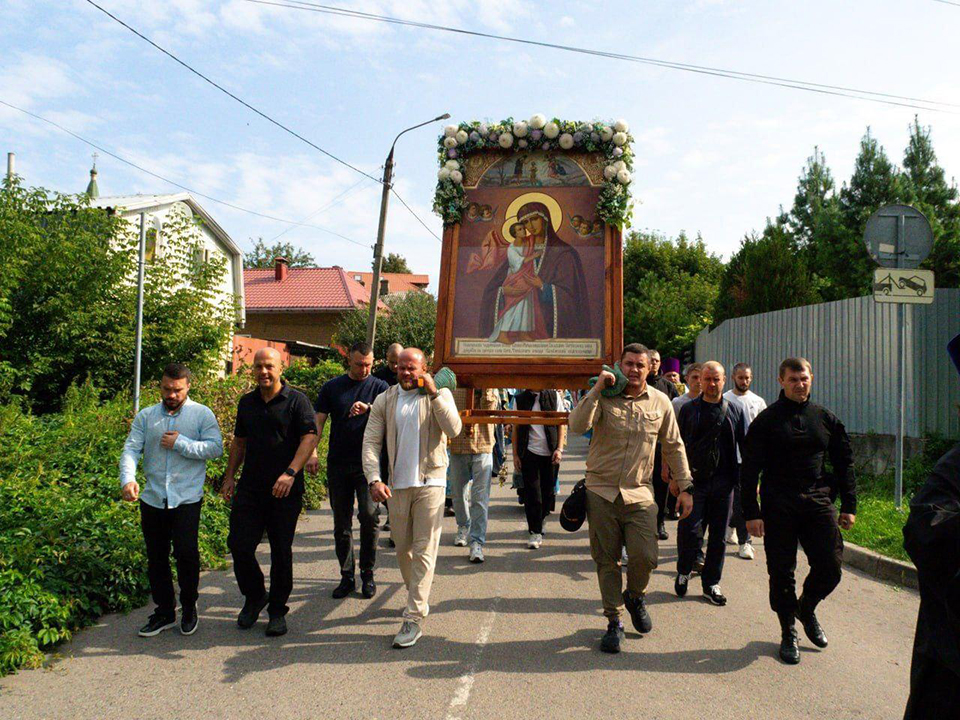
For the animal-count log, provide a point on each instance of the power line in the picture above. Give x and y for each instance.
(948, 2)
(821, 88)
(419, 219)
(228, 93)
(174, 183)
(322, 209)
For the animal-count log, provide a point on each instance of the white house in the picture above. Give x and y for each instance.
(158, 208)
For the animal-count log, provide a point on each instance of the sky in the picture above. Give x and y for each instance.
(714, 156)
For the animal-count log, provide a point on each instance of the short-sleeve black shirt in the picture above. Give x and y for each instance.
(272, 431)
(336, 398)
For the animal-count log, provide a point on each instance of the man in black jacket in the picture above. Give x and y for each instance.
(712, 429)
(537, 449)
(666, 504)
(788, 443)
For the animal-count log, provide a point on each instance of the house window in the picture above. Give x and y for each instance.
(152, 246)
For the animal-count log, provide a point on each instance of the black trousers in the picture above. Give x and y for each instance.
(666, 502)
(251, 514)
(538, 481)
(934, 689)
(179, 526)
(344, 483)
(810, 520)
(711, 508)
(737, 521)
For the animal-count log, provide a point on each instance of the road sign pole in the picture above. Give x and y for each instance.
(902, 326)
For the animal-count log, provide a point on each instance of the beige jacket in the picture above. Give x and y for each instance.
(439, 419)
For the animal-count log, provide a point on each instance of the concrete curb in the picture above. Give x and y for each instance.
(880, 566)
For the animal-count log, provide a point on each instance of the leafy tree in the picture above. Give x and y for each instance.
(670, 287)
(395, 263)
(409, 319)
(769, 272)
(263, 256)
(68, 298)
(926, 188)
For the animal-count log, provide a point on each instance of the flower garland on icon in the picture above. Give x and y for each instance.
(538, 133)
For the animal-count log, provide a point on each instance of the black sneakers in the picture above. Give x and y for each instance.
(368, 588)
(714, 595)
(347, 585)
(638, 613)
(157, 623)
(277, 626)
(189, 620)
(610, 642)
(662, 533)
(251, 611)
(680, 585)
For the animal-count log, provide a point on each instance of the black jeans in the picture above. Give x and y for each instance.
(179, 526)
(344, 482)
(538, 481)
(711, 506)
(251, 514)
(737, 521)
(810, 520)
(666, 502)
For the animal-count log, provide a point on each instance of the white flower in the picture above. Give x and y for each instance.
(606, 132)
(462, 136)
(452, 165)
(610, 172)
(520, 129)
(483, 129)
(538, 121)
(620, 138)
(449, 142)
(521, 143)
(551, 130)
(621, 126)
(450, 130)
(623, 176)
(620, 165)
(566, 141)
(444, 173)
(457, 176)
(505, 140)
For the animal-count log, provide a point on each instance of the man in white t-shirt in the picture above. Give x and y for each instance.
(753, 405)
(416, 419)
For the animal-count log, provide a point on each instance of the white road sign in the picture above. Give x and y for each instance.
(908, 285)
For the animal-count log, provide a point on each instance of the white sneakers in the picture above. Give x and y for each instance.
(746, 551)
(461, 539)
(729, 538)
(536, 539)
(476, 552)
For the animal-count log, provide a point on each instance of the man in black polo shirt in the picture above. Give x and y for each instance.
(346, 401)
(275, 434)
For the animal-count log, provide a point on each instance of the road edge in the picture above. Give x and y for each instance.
(880, 566)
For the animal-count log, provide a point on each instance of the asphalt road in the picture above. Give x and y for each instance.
(516, 637)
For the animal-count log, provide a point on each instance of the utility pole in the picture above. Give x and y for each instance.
(139, 337)
(387, 183)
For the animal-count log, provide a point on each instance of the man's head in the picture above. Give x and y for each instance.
(393, 356)
(654, 356)
(692, 377)
(267, 367)
(796, 378)
(742, 377)
(712, 378)
(174, 385)
(411, 367)
(360, 361)
(635, 364)
(673, 376)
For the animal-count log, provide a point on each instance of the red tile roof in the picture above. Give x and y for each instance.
(396, 282)
(303, 289)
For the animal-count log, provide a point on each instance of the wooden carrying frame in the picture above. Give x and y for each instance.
(529, 373)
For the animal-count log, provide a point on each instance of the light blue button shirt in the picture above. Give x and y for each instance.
(173, 477)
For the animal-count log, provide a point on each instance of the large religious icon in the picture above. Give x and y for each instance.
(531, 277)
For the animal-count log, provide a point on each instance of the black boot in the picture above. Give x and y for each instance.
(347, 585)
(789, 646)
(811, 626)
(662, 533)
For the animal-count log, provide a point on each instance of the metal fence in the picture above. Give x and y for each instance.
(853, 347)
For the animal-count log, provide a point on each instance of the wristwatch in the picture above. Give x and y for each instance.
(290, 471)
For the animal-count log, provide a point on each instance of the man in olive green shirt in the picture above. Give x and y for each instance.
(621, 509)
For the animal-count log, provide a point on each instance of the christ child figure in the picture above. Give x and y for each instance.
(520, 314)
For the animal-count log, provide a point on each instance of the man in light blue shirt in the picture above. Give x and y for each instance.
(176, 438)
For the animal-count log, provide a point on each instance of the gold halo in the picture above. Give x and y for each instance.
(556, 214)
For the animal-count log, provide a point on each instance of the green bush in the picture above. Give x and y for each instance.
(310, 378)
(70, 548)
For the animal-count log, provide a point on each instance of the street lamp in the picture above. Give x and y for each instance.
(378, 248)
